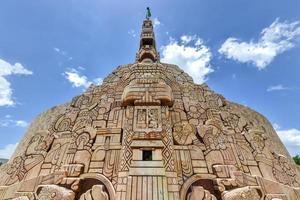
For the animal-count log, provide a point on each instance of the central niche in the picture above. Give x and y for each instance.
(147, 119)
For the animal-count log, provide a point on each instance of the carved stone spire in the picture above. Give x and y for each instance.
(147, 51)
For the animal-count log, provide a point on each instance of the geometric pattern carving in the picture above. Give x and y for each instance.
(126, 151)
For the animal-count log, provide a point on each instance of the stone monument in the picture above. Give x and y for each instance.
(149, 133)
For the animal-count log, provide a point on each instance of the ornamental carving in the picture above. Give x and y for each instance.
(213, 135)
(184, 133)
(147, 119)
(199, 193)
(96, 193)
(245, 193)
(283, 172)
(53, 192)
(257, 139)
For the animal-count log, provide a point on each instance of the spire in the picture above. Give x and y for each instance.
(147, 51)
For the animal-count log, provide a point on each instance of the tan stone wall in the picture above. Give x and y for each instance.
(41, 125)
(149, 132)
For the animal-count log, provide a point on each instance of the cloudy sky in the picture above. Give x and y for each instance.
(53, 50)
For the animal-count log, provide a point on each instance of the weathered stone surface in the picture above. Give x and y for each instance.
(198, 193)
(22, 198)
(245, 193)
(54, 192)
(148, 132)
(96, 193)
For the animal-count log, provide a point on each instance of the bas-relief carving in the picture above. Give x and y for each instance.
(245, 193)
(199, 193)
(184, 133)
(193, 133)
(283, 171)
(96, 193)
(22, 198)
(147, 119)
(54, 192)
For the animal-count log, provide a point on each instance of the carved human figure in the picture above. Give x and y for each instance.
(213, 135)
(184, 133)
(153, 123)
(283, 172)
(17, 170)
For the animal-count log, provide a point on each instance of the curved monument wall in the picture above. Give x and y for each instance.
(149, 132)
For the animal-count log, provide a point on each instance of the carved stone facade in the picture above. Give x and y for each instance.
(148, 132)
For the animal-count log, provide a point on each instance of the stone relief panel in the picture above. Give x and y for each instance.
(54, 192)
(147, 90)
(283, 172)
(199, 193)
(199, 133)
(184, 133)
(245, 193)
(96, 193)
(126, 151)
(147, 119)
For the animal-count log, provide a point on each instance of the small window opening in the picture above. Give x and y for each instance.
(147, 155)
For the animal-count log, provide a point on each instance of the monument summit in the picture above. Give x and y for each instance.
(149, 133)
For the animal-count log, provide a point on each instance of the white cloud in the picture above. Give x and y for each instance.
(56, 49)
(277, 88)
(21, 123)
(156, 22)
(7, 69)
(98, 81)
(59, 51)
(8, 151)
(185, 39)
(132, 33)
(275, 39)
(79, 80)
(8, 121)
(291, 139)
(191, 55)
(276, 126)
(76, 78)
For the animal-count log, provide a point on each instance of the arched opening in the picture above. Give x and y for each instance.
(91, 179)
(147, 56)
(204, 181)
(87, 184)
(207, 184)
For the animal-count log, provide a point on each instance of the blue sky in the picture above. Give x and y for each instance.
(52, 50)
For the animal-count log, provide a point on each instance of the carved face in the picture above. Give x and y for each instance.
(184, 133)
